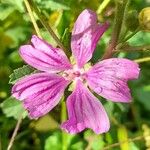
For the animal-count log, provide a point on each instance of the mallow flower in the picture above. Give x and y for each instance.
(42, 91)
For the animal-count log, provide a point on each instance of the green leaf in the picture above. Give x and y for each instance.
(16, 4)
(15, 57)
(20, 72)
(53, 5)
(140, 38)
(5, 11)
(133, 146)
(21, 32)
(13, 108)
(53, 142)
(95, 142)
(78, 145)
(109, 106)
(143, 94)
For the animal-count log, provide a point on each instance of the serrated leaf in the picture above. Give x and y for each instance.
(20, 72)
(13, 108)
(53, 5)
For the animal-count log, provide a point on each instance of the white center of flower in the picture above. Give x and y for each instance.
(76, 73)
(73, 74)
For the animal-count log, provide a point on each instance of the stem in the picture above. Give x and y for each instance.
(0, 143)
(32, 18)
(141, 60)
(63, 111)
(129, 48)
(14, 133)
(124, 30)
(63, 118)
(102, 6)
(46, 25)
(120, 6)
(119, 143)
(131, 35)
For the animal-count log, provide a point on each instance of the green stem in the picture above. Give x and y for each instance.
(32, 18)
(129, 48)
(124, 30)
(119, 143)
(102, 6)
(116, 29)
(63, 111)
(63, 118)
(141, 60)
(46, 25)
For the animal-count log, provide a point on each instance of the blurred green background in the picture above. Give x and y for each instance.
(127, 120)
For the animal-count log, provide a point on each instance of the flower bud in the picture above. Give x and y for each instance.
(131, 20)
(144, 18)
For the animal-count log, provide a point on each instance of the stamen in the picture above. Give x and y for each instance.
(77, 73)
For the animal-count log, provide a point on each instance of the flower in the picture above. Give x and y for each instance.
(42, 91)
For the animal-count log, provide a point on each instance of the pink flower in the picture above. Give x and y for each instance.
(41, 92)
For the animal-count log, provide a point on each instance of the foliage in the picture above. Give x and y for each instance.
(20, 72)
(16, 29)
(13, 108)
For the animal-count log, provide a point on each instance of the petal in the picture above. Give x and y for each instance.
(109, 78)
(85, 35)
(85, 111)
(40, 92)
(44, 57)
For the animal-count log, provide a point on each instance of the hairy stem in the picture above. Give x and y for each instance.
(32, 18)
(14, 133)
(46, 25)
(119, 13)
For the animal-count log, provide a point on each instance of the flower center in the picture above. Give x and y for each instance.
(72, 74)
(76, 73)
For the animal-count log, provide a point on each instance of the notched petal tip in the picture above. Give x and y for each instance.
(23, 49)
(34, 36)
(40, 92)
(44, 57)
(40, 44)
(85, 111)
(85, 35)
(109, 78)
(35, 39)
